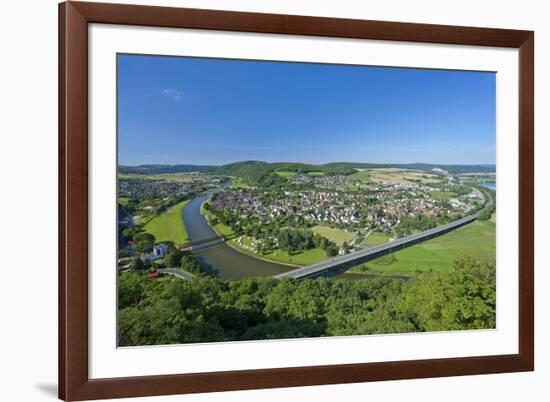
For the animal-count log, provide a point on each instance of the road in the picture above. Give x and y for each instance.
(176, 272)
(347, 261)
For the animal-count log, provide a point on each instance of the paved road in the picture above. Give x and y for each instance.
(358, 257)
(176, 272)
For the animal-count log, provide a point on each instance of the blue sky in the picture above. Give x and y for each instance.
(213, 111)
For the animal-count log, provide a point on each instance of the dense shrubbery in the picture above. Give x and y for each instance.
(208, 309)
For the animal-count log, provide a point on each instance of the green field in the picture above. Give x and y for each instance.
(219, 228)
(306, 257)
(288, 173)
(336, 235)
(377, 238)
(476, 239)
(362, 175)
(238, 183)
(223, 230)
(352, 189)
(443, 194)
(285, 173)
(395, 176)
(123, 201)
(169, 226)
(172, 177)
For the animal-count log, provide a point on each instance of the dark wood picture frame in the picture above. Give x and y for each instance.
(74, 382)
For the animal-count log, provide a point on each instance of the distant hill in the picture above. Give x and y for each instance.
(253, 172)
(257, 171)
(158, 169)
(261, 172)
(420, 166)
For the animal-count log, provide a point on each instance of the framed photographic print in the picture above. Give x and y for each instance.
(259, 200)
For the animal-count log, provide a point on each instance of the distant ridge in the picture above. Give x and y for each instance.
(259, 168)
(157, 169)
(477, 168)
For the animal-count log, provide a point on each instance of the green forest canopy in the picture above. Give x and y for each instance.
(207, 309)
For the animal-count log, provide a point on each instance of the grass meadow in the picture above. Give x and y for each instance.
(336, 235)
(377, 238)
(306, 257)
(476, 240)
(285, 173)
(169, 226)
(443, 194)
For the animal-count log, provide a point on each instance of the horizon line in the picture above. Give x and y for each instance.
(307, 163)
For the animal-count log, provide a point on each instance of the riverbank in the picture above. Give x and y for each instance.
(234, 245)
(219, 228)
(170, 225)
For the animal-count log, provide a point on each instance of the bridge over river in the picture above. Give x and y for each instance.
(345, 262)
(204, 243)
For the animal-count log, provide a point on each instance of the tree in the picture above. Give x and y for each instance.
(123, 253)
(171, 246)
(332, 251)
(464, 298)
(144, 237)
(127, 233)
(345, 246)
(209, 309)
(131, 288)
(190, 265)
(137, 264)
(145, 246)
(173, 259)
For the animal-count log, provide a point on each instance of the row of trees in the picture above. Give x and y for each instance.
(411, 224)
(488, 211)
(173, 259)
(297, 240)
(207, 309)
(178, 259)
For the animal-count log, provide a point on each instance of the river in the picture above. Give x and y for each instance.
(223, 260)
(491, 185)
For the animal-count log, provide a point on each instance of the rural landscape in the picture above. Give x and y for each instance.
(218, 240)
(254, 222)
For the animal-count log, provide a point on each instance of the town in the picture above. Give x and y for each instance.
(341, 205)
(381, 206)
(294, 218)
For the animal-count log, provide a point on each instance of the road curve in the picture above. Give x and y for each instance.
(176, 272)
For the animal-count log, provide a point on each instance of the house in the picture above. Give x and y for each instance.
(160, 251)
(474, 196)
(155, 274)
